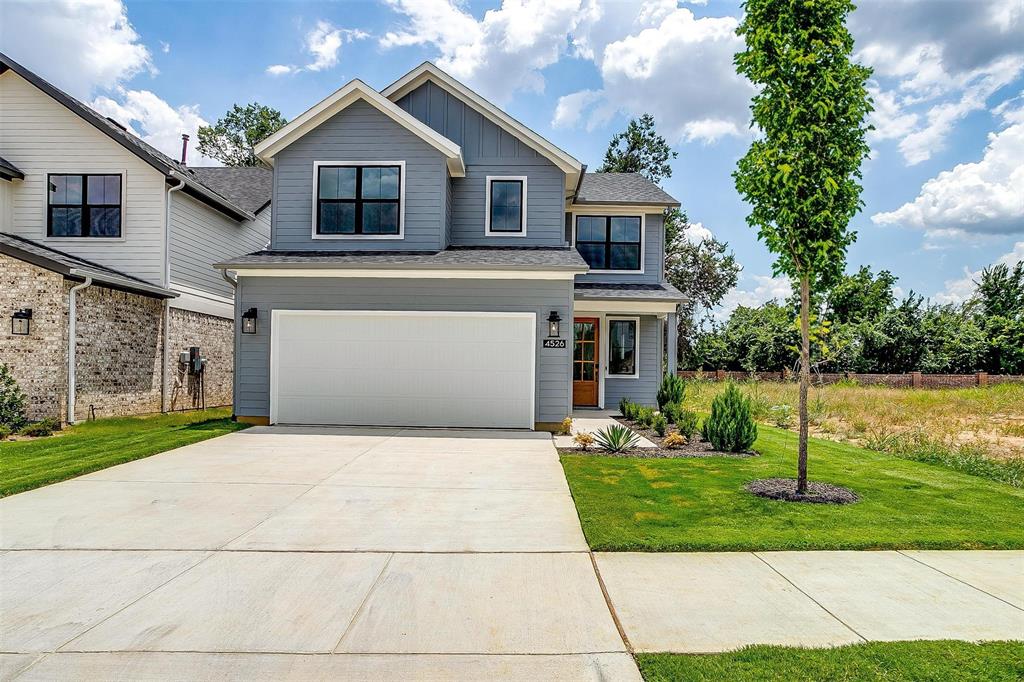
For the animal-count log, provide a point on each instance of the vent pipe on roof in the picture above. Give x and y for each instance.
(184, 148)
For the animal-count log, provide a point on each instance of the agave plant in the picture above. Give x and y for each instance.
(616, 438)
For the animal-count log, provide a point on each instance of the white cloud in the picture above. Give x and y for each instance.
(765, 288)
(986, 196)
(677, 67)
(79, 46)
(165, 47)
(696, 233)
(500, 54)
(323, 43)
(160, 124)
(570, 107)
(961, 289)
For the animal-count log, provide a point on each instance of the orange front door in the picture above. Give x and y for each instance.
(585, 363)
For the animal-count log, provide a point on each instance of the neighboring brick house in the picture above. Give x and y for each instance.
(92, 216)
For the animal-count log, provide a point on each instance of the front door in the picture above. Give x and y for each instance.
(585, 354)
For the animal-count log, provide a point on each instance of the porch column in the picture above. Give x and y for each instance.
(672, 346)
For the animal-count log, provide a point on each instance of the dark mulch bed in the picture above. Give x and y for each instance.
(695, 447)
(817, 493)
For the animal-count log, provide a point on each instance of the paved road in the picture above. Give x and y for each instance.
(298, 553)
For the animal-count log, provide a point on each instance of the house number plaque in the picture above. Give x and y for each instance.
(554, 343)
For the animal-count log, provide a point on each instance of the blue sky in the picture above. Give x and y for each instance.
(944, 191)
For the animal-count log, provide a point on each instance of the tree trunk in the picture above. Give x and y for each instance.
(805, 381)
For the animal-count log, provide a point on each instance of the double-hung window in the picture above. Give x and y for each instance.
(506, 206)
(622, 347)
(610, 242)
(359, 200)
(81, 205)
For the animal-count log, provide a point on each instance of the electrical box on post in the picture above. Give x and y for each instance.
(195, 361)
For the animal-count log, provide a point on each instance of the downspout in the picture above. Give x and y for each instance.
(72, 315)
(165, 362)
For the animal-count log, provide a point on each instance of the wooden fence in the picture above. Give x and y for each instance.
(908, 380)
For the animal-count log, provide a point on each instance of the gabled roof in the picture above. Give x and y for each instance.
(350, 93)
(429, 71)
(248, 186)
(75, 267)
(8, 171)
(621, 189)
(174, 170)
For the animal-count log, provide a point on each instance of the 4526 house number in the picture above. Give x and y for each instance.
(554, 343)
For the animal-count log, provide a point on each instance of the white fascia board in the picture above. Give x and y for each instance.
(433, 273)
(428, 71)
(199, 301)
(625, 308)
(613, 209)
(344, 97)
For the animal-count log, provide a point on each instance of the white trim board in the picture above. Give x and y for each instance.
(406, 273)
(487, 206)
(359, 237)
(199, 301)
(625, 307)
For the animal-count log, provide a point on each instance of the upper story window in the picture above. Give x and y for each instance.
(611, 243)
(506, 206)
(83, 205)
(359, 200)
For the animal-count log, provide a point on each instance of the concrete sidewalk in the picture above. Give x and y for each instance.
(713, 602)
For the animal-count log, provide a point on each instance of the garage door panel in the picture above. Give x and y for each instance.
(436, 369)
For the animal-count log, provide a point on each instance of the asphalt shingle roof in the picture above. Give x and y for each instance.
(63, 263)
(517, 258)
(628, 292)
(621, 189)
(249, 187)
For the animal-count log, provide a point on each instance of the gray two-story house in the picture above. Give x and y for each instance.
(434, 262)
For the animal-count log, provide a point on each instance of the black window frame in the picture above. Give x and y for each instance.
(358, 201)
(85, 206)
(490, 206)
(636, 346)
(607, 242)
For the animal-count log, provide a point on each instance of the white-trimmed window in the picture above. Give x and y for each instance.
(359, 200)
(624, 347)
(506, 206)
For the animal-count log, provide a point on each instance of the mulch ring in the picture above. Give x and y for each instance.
(817, 493)
(695, 447)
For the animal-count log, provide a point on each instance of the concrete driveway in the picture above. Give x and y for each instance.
(309, 553)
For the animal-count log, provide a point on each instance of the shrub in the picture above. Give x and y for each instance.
(672, 412)
(616, 438)
(566, 426)
(5, 432)
(730, 427)
(12, 400)
(644, 415)
(674, 440)
(687, 423)
(624, 407)
(659, 424)
(38, 429)
(782, 416)
(583, 439)
(671, 390)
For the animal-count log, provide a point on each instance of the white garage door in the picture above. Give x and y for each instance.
(402, 368)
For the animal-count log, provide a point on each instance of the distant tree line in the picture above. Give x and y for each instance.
(861, 326)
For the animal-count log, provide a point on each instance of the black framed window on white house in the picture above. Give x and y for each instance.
(610, 242)
(506, 206)
(623, 334)
(359, 200)
(83, 205)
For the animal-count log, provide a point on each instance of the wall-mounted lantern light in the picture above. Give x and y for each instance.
(553, 320)
(21, 322)
(249, 321)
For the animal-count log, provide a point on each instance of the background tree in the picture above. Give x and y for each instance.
(639, 149)
(232, 139)
(801, 176)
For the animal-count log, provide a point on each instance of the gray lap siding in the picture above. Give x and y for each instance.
(252, 359)
(643, 389)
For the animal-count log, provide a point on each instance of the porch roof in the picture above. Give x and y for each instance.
(659, 292)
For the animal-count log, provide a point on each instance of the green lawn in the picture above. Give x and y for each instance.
(700, 504)
(890, 661)
(91, 446)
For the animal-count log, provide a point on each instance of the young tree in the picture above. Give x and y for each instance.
(232, 139)
(639, 149)
(801, 176)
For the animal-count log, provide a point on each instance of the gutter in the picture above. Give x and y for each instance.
(72, 342)
(165, 322)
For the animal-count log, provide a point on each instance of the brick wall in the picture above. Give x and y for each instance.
(119, 341)
(37, 361)
(215, 338)
(909, 380)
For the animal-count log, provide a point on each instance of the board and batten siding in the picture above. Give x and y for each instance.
(40, 136)
(654, 253)
(252, 356)
(489, 150)
(359, 133)
(643, 389)
(202, 236)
